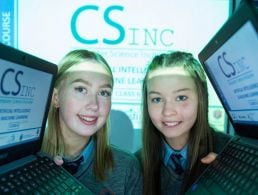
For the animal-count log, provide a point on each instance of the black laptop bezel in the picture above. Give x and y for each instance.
(20, 57)
(246, 12)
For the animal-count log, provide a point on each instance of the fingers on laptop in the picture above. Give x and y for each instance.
(209, 158)
(58, 160)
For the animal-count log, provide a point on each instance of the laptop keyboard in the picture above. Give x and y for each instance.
(42, 176)
(235, 173)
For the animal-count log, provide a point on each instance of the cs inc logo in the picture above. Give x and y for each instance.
(226, 67)
(133, 36)
(107, 20)
(11, 84)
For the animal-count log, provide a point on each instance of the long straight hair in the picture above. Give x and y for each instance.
(53, 141)
(200, 139)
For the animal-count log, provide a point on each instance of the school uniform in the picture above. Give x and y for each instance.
(171, 181)
(124, 178)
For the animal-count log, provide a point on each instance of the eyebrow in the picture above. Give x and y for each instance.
(176, 91)
(183, 89)
(88, 83)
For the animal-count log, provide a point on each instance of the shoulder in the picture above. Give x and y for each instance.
(125, 163)
(122, 156)
(220, 139)
(219, 135)
(138, 154)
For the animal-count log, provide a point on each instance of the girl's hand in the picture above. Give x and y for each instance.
(209, 158)
(58, 160)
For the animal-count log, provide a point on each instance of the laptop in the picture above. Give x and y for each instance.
(26, 85)
(230, 61)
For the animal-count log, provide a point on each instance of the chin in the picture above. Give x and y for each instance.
(87, 133)
(170, 135)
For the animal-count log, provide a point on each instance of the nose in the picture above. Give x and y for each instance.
(92, 102)
(169, 109)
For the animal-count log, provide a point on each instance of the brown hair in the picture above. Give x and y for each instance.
(200, 139)
(53, 142)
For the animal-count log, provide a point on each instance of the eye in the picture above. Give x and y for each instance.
(105, 93)
(156, 100)
(181, 98)
(81, 89)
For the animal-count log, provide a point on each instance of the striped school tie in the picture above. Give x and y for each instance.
(73, 166)
(176, 160)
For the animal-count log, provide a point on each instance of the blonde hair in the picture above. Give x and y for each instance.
(53, 141)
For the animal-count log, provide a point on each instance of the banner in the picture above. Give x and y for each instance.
(127, 33)
(8, 22)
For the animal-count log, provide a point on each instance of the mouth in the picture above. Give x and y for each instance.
(171, 124)
(88, 120)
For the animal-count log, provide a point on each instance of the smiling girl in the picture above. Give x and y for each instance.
(78, 127)
(176, 132)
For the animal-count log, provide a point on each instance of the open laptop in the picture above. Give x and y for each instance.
(230, 60)
(26, 85)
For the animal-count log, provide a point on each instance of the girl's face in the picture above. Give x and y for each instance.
(172, 104)
(84, 99)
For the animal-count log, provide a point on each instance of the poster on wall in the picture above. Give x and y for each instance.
(127, 33)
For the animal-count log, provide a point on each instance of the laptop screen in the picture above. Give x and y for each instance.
(23, 98)
(26, 86)
(230, 60)
(233, 70)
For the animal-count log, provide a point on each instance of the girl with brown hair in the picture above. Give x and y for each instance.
(176, 132)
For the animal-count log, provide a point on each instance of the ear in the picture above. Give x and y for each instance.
(55, 98)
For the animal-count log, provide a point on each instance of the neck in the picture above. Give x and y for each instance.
(74, 149)
(74, 144)
(178, 143)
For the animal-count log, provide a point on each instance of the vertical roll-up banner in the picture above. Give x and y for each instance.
(8, 22)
